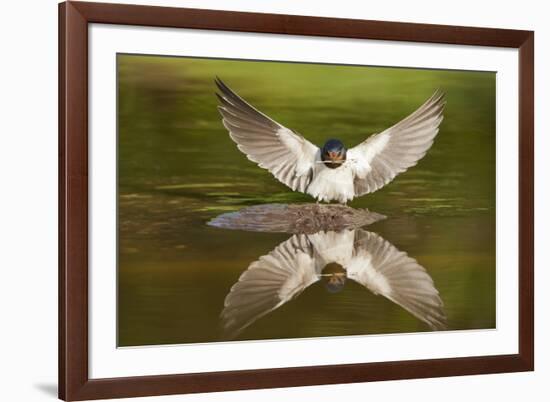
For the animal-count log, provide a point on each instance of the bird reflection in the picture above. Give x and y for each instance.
(333, 258)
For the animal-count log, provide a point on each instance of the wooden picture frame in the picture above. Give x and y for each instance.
(74, 381)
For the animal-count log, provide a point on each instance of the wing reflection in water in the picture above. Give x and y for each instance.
(358, 255)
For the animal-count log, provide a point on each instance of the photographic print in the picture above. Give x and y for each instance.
(275, 200)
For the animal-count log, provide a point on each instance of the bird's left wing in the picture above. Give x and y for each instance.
(381, 157)
(268, 283)
(285, 153)
(384, 270)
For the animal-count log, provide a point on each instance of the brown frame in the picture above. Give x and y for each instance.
(74, 17)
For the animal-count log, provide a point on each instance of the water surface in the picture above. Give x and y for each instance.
(178, 169)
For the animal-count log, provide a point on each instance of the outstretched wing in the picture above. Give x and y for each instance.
(268, 283)
(377, 160)
(385, 270)
(285, 153)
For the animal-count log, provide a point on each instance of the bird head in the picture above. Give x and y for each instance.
(335, 283)
(334, 276)
(333, 153)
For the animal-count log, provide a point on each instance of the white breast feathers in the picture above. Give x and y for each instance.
(332, 184)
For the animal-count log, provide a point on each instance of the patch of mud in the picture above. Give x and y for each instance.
(296, 218)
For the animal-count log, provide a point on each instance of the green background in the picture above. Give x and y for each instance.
(178, 168)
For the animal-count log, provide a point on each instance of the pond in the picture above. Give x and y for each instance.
(178, 170)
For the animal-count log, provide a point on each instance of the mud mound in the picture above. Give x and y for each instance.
(296, 218)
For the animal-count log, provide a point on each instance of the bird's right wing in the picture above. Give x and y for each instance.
(268, 283)
(384, 270)
(285, 153)
(381, 157)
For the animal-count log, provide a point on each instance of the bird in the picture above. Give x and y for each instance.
(331, 172)
(302, 260)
